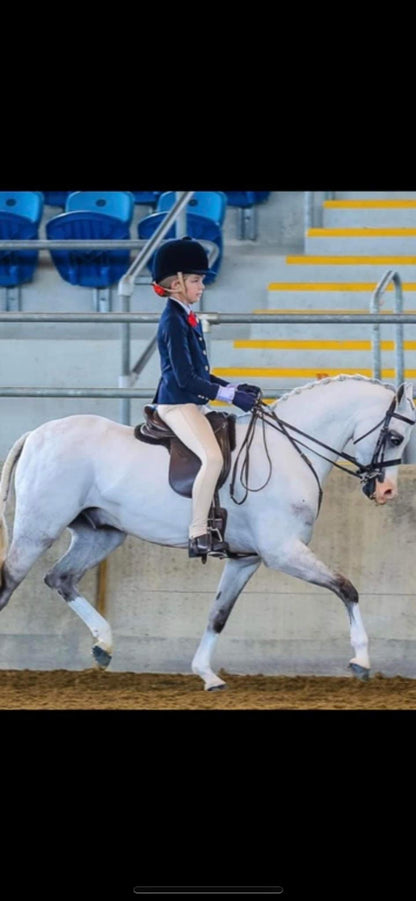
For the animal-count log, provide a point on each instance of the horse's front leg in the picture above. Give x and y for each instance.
(235, 576)
(298, 560)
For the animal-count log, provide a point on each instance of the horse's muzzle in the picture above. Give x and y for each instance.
(380, 492)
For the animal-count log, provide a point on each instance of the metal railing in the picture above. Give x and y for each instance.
(309, 211)
(388, 277)
(177, 214)
(126, 392)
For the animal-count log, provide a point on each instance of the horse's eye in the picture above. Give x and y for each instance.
(395, 438)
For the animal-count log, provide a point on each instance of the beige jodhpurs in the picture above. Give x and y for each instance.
(190, 425)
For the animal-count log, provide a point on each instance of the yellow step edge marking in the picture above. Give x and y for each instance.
(361, 232)
(334, 286)
(223, 403)
(318, 345)
(357, 260)
(307, 373)
(337, 312)
(369, 204)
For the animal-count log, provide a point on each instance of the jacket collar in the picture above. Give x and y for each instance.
(174, 305)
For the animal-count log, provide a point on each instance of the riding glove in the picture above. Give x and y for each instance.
(253, 389)
(244, 399)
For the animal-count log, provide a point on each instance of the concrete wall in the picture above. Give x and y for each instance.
(158, 601)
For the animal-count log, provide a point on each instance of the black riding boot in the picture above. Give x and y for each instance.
(207, 545)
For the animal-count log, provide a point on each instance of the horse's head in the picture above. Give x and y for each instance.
(379, 449)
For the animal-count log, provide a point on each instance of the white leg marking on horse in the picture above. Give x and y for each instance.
(98, 626)
(299, 560)
(359, 639)
(235, 576)
(201, 662)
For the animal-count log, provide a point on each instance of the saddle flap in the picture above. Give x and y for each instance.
(184, 465)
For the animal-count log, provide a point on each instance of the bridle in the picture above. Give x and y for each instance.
(367, 473)
(375, 469)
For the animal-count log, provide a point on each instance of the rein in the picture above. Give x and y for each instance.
(366, 473)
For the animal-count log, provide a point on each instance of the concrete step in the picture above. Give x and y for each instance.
(361, 241)
(337, 296)
(291, 357)
(373, 213)
(343, 268)
(375, 195)
(327, 331)
(282, 377)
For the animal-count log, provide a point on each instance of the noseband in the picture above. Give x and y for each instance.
(367, 474)
(375, 469)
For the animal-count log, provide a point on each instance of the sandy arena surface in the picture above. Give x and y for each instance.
(97, 690)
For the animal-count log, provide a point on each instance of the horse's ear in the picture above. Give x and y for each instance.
(404, 394)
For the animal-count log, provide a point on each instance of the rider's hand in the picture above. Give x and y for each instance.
(250, 389)
(244, 399)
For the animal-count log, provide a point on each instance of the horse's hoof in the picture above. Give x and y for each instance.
(101, 657)
(361, 672)
(216, 687)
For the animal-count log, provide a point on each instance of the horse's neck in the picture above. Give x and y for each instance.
(329, 411)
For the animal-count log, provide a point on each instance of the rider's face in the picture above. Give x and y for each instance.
(194, 287)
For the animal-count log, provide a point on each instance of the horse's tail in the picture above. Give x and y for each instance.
(6, 477)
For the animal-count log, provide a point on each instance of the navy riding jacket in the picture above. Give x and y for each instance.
(185, 378)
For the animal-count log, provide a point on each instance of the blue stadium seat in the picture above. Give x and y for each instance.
(246, 199)
(146, 197)
(198, 227)
(20, 215)
(261, 196)
(119, 204)
(56, 198)
(28, 204)
(91, 268)
(243, 199)
(247, 202)
(92, 215)
(212, 204)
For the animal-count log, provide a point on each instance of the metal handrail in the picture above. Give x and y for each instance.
(100, 392)
(208, 318)
(99, 244)
(389, 276)
(74, 244)
(308, 211)
(308, 208)
(213, 318)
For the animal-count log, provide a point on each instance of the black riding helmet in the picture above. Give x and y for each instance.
(180, 255)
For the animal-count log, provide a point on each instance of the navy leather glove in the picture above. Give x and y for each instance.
(250, 389)
(244, 399)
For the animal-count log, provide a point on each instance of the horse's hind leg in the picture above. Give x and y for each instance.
(22, 554)
(298, 560)
(235, 576)
(88, 547)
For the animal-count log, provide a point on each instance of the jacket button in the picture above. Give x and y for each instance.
(207, 368)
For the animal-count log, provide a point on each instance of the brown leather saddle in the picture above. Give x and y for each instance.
(184, 464)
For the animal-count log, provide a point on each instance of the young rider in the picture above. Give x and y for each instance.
(186, 383)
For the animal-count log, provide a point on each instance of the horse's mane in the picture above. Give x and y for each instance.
(326, 381)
